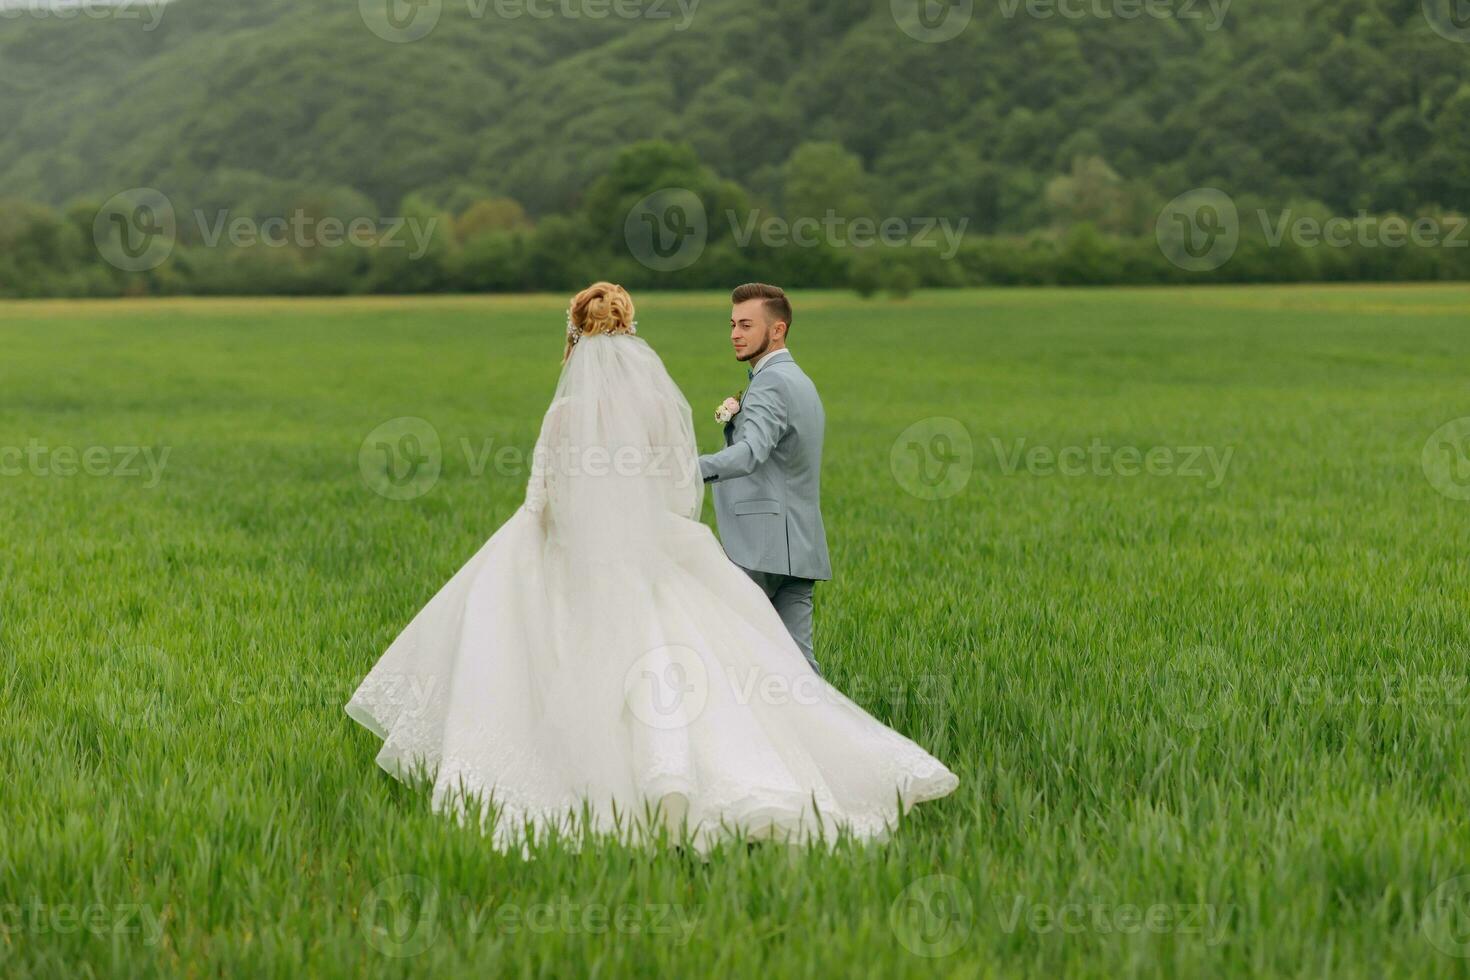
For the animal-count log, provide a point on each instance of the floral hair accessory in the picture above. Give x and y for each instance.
(574, 333)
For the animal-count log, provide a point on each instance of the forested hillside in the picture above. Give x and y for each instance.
(1021, 124)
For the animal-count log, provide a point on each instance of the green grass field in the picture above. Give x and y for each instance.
(1206, 690)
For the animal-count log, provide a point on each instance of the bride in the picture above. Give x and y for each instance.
(601, 663)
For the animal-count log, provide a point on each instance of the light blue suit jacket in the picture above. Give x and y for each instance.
(768, 478)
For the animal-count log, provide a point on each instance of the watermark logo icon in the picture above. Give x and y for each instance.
(933, 916)
(133, 687)
(1450, 19)
(667, 688)
(401, 916)
(933, 458)
(1446, 919)
(667, 230)
(932, 21)
(136, 230)
(401, 459)
(1200, 686)
(1446, 459)
(1199, 230)
(400, 21)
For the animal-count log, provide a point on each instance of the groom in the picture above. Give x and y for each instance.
(767, 479)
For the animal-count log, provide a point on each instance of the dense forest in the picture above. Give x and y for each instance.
(516, 146)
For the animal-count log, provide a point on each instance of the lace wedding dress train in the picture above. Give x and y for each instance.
(600, 658)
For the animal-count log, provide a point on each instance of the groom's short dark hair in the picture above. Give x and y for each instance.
(776, 302)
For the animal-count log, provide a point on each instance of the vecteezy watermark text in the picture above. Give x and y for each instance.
(403, 458)
(310, 231)
(934, 916)
(1364, 231)
(402, 916)
(1201, 230)
(937, 21)
(150, 12)
(138, 229)
(36, 917)
(406, 21)
(836, 231)
(39, 459)
(668, 687)
(668, 230)
(1100, 459)
(1211, 12)
(1126, 918)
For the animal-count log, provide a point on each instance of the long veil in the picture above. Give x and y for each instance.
(616, 455)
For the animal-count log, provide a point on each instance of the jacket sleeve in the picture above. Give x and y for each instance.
(764, 424)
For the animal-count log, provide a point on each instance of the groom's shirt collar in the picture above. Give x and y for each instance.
(765, 359)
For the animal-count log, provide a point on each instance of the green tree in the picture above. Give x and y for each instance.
(821, 177)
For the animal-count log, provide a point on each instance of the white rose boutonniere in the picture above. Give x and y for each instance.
(728, 409)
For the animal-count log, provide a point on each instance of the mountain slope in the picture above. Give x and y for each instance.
(1351, 103)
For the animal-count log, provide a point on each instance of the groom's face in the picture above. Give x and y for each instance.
(752, 330)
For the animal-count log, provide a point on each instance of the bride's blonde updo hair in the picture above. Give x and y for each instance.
(601, 308)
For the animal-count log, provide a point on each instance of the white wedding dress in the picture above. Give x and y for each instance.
(601, 661)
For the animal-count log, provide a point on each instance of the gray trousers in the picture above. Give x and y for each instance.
(792, 598)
